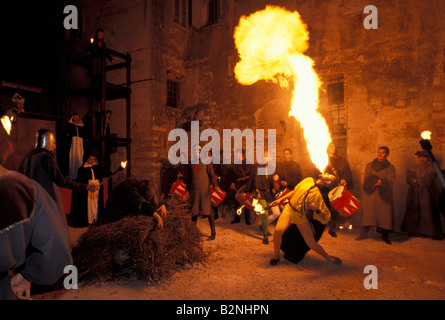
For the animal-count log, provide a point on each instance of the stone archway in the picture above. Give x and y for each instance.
(207, 114)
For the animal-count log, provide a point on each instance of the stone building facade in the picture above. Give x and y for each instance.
(380, 86)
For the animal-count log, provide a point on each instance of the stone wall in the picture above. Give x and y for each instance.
(143, 29)
(393, 77)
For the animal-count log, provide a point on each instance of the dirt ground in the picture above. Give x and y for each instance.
(237, 268)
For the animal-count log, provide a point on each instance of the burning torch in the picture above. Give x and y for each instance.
(240, 210)
(257, 208)
(121, 168)
(6, 122)
(426, 145)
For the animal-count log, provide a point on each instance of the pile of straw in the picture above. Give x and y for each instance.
(136, 246)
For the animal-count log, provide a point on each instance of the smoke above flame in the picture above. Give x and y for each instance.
(271, 44)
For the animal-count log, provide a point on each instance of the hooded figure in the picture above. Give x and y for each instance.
(422, 215)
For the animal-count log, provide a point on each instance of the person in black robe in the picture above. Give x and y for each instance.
(133, 197)
(288, 171)
(97, 48)
(79, 215)
(34, 243)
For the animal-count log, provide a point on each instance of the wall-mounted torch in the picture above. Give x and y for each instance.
(6, 122)
(121, 168)
(426, 145)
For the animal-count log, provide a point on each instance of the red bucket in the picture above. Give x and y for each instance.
(217, 196)
(279, 195)
(246, 201)
(178, 189)
(343, 201)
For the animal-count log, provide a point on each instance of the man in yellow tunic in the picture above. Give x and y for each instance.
(305, 199)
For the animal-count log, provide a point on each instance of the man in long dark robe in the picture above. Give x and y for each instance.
(34, 243)
(199, 179)
(377, 198)
(422, 215)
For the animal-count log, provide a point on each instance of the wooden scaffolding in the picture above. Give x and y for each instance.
(100, 92)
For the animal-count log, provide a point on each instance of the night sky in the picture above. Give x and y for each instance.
(32, 44)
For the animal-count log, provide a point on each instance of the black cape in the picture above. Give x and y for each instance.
(78, 217)
(293, 244)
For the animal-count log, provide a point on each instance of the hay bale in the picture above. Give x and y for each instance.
(140, 246)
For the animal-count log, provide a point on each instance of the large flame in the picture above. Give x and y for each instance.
(271, 43)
